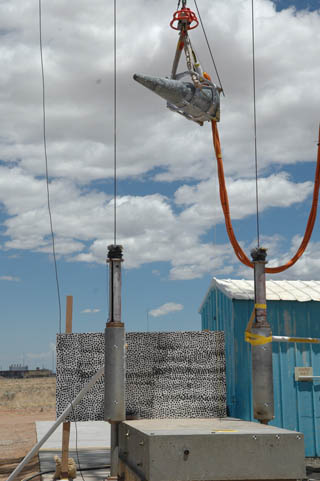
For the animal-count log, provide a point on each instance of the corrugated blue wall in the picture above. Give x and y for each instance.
(297, 404)
(217, 314)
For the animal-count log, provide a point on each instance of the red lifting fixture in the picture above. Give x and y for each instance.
(186, 17)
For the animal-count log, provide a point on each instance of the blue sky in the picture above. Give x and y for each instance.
(169, 216)
(299, 5)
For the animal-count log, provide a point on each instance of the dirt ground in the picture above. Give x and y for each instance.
(22, 402)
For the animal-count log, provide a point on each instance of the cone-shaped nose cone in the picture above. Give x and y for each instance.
(198, 104)
(173, 91)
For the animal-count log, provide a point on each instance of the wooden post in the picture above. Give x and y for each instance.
(69, 314)
(66, 425)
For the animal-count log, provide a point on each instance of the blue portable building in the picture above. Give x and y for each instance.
(293, 309)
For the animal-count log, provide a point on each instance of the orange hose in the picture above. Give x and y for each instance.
(226, 211)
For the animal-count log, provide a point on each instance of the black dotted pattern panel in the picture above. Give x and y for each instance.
(169, 374)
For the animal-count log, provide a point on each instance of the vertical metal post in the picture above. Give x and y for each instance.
(262, 375)
(114, 451)
(114, 394)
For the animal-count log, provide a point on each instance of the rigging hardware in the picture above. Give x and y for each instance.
(209, 48)
(185, 19)
(190, 93)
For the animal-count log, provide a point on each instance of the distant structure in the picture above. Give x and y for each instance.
(18, 371)
(18, 367)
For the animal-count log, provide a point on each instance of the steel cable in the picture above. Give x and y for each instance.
(44, 125)
(209, 48)
(115, 118)
(255, 119)
(48, 197)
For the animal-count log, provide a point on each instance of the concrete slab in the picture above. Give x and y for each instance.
(89, 447)
(196, 426)
(85, 458)
(94, 434)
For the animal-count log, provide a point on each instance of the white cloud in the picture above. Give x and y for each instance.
(78, 72)
(166, 309)
(77, 39)
(10, 278)
(90, 311)
(83, 220)
(200, 260)
(202, 201)
(306, 268)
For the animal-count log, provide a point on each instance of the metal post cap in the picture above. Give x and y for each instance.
(115, 252)
(259, 254)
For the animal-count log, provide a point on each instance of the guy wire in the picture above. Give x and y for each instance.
(46, 164)
(209, 48)
(115, 119)
(255, 119)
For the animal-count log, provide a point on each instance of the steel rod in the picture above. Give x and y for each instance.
(309, 378)
(65, 413)
(177, 56)
(310, 340)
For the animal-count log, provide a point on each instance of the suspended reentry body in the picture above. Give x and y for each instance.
(190, 93)
(198, 104)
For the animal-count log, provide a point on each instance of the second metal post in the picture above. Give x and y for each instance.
(114, 395)
(262, 375)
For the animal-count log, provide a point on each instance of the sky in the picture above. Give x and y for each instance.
(169, 219)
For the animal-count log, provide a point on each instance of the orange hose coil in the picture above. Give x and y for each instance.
(226, 211)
